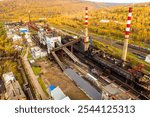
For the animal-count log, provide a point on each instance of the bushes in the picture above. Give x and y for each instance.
(42, 85)
(36, 70)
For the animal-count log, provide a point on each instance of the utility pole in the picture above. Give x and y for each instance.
(127, 33)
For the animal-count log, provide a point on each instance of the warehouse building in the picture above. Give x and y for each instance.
(57, 94)
(13, 88)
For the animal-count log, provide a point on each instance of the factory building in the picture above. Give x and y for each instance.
(13, 88)
(51, 42)
(41, 35)
(38, 52)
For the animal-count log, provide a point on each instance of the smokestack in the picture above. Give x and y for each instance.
(86, 25)
(86, 41)
(127, 33)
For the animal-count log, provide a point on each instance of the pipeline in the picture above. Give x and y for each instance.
(26, 85)
(62, 66)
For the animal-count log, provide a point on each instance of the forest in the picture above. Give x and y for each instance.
(115, 28)
(7, 51)
(70, 13)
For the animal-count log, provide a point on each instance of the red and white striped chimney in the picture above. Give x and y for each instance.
(127, 33)
(86, 25)
(128, 23)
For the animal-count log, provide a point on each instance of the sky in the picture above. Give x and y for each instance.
(121, 1)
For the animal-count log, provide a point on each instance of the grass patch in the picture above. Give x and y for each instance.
(29, 56)
(36, 70)
(41, 59)
(19, 78)
(23, 51)
(42, 85)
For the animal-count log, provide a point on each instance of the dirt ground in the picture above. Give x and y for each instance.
(52, 75)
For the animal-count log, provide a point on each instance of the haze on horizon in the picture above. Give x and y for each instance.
(120, 1)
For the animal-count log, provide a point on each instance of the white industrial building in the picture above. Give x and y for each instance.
(51, 42)
(28, 38)
(16, 38)
(38, 52)
(147, 59)
(8, 77)
(42, 36)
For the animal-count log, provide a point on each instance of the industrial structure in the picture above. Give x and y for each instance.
(97, 73)
(57, 94)
(120, 74)
(126, 41)
(13, 88)
(86, 39)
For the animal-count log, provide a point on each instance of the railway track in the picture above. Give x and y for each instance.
(116, 44)
(114, 78)
(102, 80)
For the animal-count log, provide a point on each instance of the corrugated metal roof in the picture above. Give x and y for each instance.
(111, 89)
(57, 94)
(83, 84)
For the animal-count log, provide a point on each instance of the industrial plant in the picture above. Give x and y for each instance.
(56, 64)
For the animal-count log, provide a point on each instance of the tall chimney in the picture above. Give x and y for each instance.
(127, 33)
(86, 38)
(86, 25)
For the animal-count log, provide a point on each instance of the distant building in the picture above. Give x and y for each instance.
(16, 38)
(9, 34)
(104, 21)
(8, 77)
(147, 59)
(29, 39)
(13, 88)
(23, 30)
(18, 48)
(41, 34)
(38, 52)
